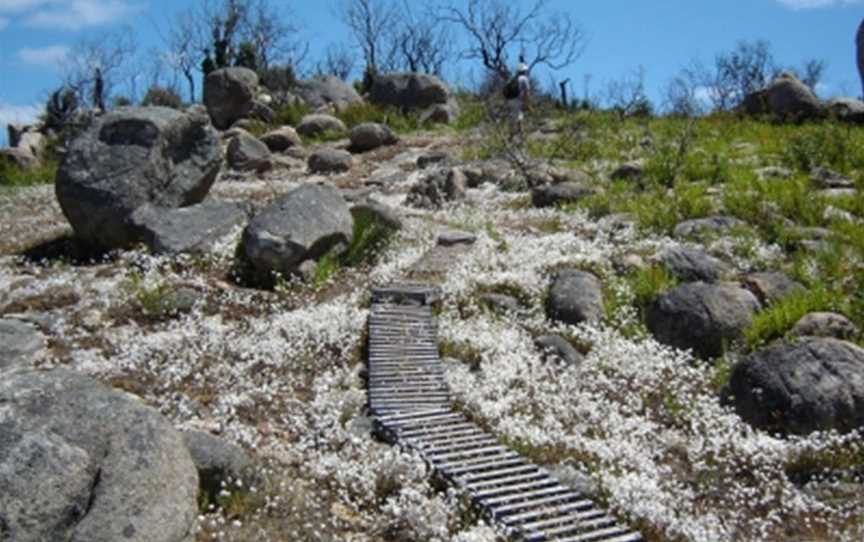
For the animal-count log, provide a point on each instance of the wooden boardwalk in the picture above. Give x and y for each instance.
(410, 400)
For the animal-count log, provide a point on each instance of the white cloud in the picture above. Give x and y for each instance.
(50, 56)
(815, 4)
(69, 14)
(76, 14)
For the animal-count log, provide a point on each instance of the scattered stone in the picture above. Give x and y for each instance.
(452, 237)
(323, 91)
(692, 264)
(706, 318)
(846, 109)
(824, 178)
(575, 297)
(409, 91)
(557, 194)
(229, 95)
(628, 171)
(281, 139)
(437, 158)
(245, 153)
(304, 224)
(82, 462)
(329, 160)
(19, 343)
(354, 195)
(825, 324)
(440, 113)
(785, 98)
(371, 135)
(317, 124)
(699, 227)
(500, 303)
(832, 193)
(617, 222)
(31, 141)
(771, 287)
(628, 262)
(218, 461)
(811, 384)
(131, 157)
(378, 213)
(385, 177)
(187, 230)
(437, 188)
(555, 346)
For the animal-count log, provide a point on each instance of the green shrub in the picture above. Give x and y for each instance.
(360, 112)
(648, 283)
(162, 96)
(773, 322)
(370, 237)
(828, 145)
(472, 113)
(290, 114)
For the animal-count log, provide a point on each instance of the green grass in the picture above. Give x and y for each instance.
(775, 321)
(290, 115)
(11, 176)
(360, 112)
(370, 237)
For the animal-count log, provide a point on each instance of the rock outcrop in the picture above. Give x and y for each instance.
(575, 297)
(812, 384)
(229, 95)
(83, 463)
(187, 230)
(706, 318)
(323, 91)
(302, 225)
(132, 157)
(784, 98)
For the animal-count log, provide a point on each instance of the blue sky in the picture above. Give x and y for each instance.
(659, 35)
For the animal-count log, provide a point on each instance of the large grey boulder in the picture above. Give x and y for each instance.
(575, 297)
(187, 230)
(19, 344)
(329, 160)
(846, 109)
(786, 98)
(316, 125)
(131, 157)
(246, 153)
(302, 225)
(811, 384)
(558, 194)
(703, 317)
(409, 91)
(371, 135)
(229, 95)
(692, 264)
(80, 462)
(322, 91)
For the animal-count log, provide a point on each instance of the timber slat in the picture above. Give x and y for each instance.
(410, 401)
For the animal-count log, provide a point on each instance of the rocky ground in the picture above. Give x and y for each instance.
(592, 326)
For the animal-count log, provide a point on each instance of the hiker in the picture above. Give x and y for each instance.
(521, 100)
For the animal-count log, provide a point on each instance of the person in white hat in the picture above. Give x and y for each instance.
(522, 102)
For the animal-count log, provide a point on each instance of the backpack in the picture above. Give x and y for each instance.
(511, 88)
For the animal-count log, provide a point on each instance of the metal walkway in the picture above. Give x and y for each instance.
(410, 401)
